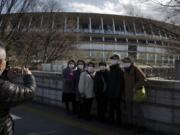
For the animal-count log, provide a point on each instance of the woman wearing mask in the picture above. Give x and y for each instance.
(68, 86)
(100, 88)
(115, 90)
(86, 90)
(77, 73)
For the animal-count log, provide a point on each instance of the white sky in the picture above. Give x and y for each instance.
(120, 7)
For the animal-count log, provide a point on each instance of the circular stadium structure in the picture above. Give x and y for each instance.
(147, 41)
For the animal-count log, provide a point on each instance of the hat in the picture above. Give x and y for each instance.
(102, 63)
(115, 56)
(127, 60)
(91, 63)
(81, 61)
(71, 61)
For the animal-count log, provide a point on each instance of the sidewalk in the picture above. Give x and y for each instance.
(37, 119)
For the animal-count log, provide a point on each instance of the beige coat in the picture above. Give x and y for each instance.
(86, 85)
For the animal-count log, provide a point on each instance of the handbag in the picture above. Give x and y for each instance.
(140, 95)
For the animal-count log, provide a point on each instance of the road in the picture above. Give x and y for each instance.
(37, 119)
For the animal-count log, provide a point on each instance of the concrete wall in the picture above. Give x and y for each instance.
(49, 88)
(54, 67)
(161, 111)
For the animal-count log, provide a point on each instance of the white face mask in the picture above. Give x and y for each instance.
(81, 67)
(114, 62)
(71, 66)
(90, 69)
(102, 68)
(126, 65)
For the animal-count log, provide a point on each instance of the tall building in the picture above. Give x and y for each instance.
(147, 41)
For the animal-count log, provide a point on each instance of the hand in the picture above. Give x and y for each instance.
(134, 90)
(26, 71)
(13, 73)
(82, 95)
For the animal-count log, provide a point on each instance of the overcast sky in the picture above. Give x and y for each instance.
(120, 7)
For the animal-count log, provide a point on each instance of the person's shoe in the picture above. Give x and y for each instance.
(88, 118)
(118, 123)
(111, 121)
(127, 126)
(140, 129)
(68, 112)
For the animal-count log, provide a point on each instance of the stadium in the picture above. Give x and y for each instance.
(146, 41)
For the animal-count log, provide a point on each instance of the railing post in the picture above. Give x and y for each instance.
(77, 24)
(90, 46)
(90, 25)
(114, 28)
(42, 18)
(52, 26)
(30, 22)
(103, 47)
(65, 24)
(124, 25)
(102, 25)
(134, 26)
(152, 30)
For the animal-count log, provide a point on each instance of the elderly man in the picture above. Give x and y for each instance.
(115, 90)
(12, 94)
(134, 79)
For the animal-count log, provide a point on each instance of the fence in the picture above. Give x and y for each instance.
(161, 111)
(49, 88)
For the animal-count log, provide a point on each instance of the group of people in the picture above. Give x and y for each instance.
(112, 88)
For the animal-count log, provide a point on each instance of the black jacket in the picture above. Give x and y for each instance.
(101, 83)
(115, 82)
(77, 74)
(11, 95)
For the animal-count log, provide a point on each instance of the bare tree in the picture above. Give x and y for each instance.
(133, 10)
(9, 23)
(45, 42)
(169, 8)
(49, 6)
(55, 42)
(172, 5)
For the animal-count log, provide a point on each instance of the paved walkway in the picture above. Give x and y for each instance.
(36, 119)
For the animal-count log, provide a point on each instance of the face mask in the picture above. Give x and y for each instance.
(90, 69)
(114, 62)
(71, 66)
(81, 67)
(102, 68)
(126, 65)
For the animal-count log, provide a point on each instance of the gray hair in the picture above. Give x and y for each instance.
(2, 51)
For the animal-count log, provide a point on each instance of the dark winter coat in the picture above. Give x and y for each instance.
(115, 82)
(134, 79)
(77, 74)
(101, 83)
(68, 81)
(12, 95)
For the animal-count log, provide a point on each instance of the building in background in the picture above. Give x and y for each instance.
(146, 41)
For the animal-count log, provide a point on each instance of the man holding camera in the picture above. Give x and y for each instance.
(12, 94)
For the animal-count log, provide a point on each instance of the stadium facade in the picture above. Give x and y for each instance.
(147, 41)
